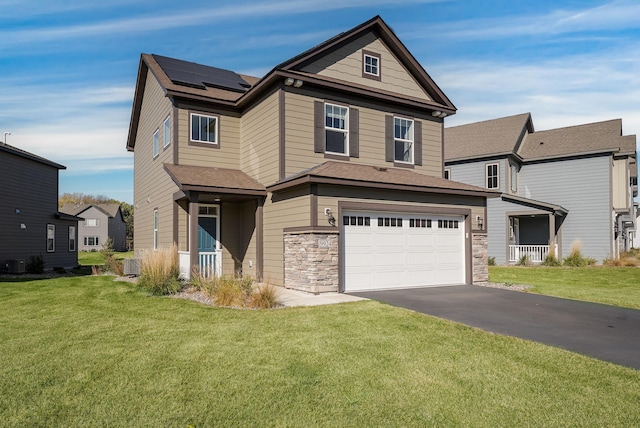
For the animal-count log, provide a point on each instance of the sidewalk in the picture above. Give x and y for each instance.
(299, 298)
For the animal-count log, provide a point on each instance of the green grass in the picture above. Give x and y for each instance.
(87, 351)
(92, 258)
(609, 285)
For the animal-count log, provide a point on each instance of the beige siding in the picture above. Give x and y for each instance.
(260, 140)
(345, 63)
(152, 186)
(293, 212)
(299, 134)
(226, 154)
(620, 184)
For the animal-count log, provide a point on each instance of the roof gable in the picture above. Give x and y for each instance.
(6, 148)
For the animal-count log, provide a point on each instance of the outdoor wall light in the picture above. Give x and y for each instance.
(330, 218)
(23, 226)
(479, 220)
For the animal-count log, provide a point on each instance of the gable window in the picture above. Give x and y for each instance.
(155, 229)
(204, 129)
(514, 178)
(370, 65)
(447, 173)
(51, 238)
(156, 143)
(91, 222)
(72, 238)
(403, 140)
(336, 129)
(493, 176)
(167, 131)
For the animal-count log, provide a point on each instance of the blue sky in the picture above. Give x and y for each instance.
(68, 68)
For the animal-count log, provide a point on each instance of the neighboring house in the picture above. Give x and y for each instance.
(101, 221)
(324, 175)
(30, 224)
(558, 186)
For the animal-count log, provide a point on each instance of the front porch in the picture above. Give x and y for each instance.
(534, 253)
(209, 264)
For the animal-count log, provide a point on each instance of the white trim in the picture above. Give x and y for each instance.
(167, 135)
(371, 65)
(344, 130)
(156, 143)
(156, 223)
(51, 236)
(404, 140)
(215, 132)
(447, 174)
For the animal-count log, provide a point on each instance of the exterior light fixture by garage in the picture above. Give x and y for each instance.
(330, 218)
(439, 113)
(479, 220)
(290, 81)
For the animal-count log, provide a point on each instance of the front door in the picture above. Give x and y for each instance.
(207, 234)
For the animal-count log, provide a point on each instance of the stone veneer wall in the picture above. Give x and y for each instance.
(479, 249)
(311, 261)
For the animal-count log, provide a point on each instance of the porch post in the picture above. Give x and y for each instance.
(193, 233)
(552, 235)
(259, 240)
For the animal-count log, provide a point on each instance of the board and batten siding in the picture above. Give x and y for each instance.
(260, 140)
(225, 154)
(582, 186)
(345, 64)
(299, 136)
(153, 188)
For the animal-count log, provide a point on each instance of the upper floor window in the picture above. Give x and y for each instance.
(167, 131)
(204, 129)
(51, 238)
(403, 140)
(493, 176)
(336, 129)
(156, 143)
(447, 173)
(514, 178)
(91, 222)
(371, 65)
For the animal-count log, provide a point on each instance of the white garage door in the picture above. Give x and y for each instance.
(383, 250)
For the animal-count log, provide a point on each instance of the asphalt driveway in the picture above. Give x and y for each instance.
(609, 333)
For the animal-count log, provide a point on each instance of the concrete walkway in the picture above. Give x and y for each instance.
(609, 333)
(299, 298)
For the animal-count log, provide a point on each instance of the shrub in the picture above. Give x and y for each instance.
(491, 261)
(551, 260)
(524, 261)
(236, 292)
(110, 263)
(228, 292)
(159, 271)
(35, 265)
(575, 257)
(264, 297)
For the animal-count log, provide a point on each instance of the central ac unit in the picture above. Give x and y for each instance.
(15, 266)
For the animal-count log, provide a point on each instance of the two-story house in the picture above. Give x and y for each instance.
(30, 224)
(559, 186)
(101, 222)
(323, 175)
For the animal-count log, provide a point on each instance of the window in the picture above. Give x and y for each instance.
(420, 222)
(447, 173)
(493, 176)
(155, 229)
(51, 238)
(448, 224)
(389, 222)
(403, 140)
(204, 129)
(514, 178)
(371, 65)
(91, 222)
(91, 241)
(167, 131)
(156, 143)
(356, 220)
(72, 238)
(336, 129)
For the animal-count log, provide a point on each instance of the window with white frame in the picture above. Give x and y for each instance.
(155, 229)
(156, 143)
(447, 173)
(91, 241)
(514, 178)
(493, 176)
(167, 131)
(336, 129)
(403, 140)
(91, 222)
(371, 64)
(51, 238)
(72, 238)
(204, 129)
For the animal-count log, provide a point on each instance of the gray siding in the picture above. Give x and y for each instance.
(118, 232)
(100, 231)
(30, 198)
(475, 173)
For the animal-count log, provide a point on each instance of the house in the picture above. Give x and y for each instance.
(323, 175)
(559, 186)
(101, 222)
(30, 224)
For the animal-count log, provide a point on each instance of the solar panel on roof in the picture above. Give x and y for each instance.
(200, 76)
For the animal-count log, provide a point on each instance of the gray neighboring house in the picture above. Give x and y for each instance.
(101, 221)
(30, 224)
(558, 186)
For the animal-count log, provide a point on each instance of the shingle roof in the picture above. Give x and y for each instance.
(221, 180)
(579, 139)
(377, 177)
(25, 154)
(486, 138)
(110, 210)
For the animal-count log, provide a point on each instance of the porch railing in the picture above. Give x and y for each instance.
(535, 253)
(209, 263)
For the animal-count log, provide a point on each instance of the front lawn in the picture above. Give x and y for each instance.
(87, 351)
(600, 284)
(93, 258)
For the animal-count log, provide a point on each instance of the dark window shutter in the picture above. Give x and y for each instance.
(388, 138)
(354, 134)
(417, 142)
(318, 118)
